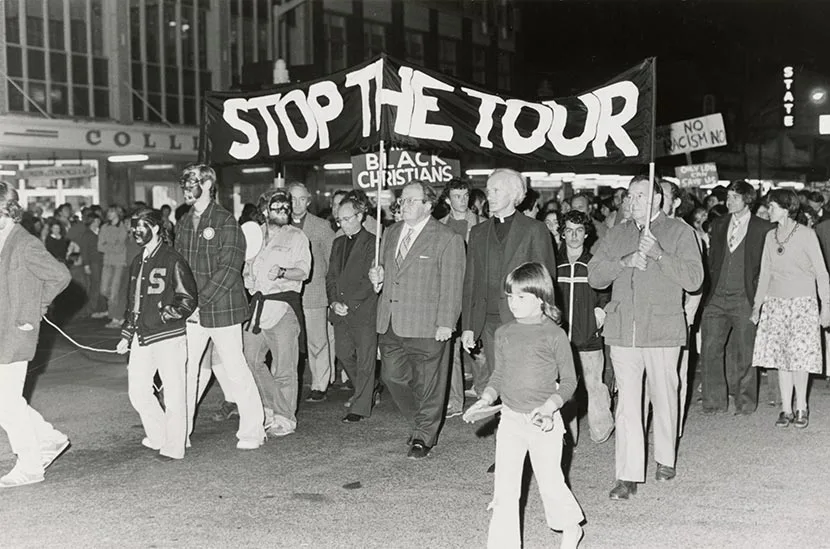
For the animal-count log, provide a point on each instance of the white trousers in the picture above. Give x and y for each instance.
(166, 429)
(319, 336)
(27, 430)
(232, 373)
(661, 380)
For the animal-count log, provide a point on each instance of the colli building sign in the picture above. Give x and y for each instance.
(56, 135)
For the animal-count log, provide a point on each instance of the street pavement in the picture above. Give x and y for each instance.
(741, 482)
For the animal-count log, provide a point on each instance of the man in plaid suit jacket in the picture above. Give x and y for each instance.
(212, 243)
(421, 273)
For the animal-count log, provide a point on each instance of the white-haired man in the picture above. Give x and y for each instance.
(496, 247)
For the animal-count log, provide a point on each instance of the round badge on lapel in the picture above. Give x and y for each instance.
(209, 233)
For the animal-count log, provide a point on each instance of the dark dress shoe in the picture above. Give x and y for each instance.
(418, 450)
(352, 418)
(784, 420)
(623, 489)
(802, 419)
(664, 473)
(492, 468)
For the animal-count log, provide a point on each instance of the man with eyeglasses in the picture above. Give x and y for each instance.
(353, 305)
(275, 279)
(320, 352)
(419, 278)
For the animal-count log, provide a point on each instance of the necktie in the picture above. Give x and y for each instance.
(404, 247)
(733, 238)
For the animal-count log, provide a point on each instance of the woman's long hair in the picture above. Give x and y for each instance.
(534, 278)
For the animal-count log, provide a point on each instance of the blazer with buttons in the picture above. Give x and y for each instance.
(424, 293)
(320, 236)
(349, 283)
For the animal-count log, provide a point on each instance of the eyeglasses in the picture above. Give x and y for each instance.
(410, 201)
(346, 218)
(279, 208)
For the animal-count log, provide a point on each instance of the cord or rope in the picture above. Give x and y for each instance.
(67, 336)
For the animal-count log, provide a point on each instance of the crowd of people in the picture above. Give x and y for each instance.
(608, 300)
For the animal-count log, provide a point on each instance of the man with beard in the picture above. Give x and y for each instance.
(213, 244)
(161, 296)
(275, 279)
(30, 278)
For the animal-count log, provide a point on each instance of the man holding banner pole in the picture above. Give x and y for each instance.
(650, 262)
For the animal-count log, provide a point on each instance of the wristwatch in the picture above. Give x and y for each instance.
(281, 272)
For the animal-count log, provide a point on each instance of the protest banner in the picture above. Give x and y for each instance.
(402, 167)
(697, 175)
(695, 134)
(419, 109)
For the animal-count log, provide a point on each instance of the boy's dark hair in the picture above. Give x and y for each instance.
(579, 218)
(534, 278)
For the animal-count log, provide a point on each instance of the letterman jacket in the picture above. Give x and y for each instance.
(166, 282)
(578, 301)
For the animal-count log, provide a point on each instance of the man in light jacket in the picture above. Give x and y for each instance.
(645, 327)
(30, 278)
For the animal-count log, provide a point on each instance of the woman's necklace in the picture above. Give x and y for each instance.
(780, 249)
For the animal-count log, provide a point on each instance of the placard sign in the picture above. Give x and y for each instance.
(402, 167)
(697, 175)
(695, 134)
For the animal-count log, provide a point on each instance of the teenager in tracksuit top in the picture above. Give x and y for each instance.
(162, 295)
(583, 316)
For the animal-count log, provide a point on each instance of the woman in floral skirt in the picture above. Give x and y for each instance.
(786, 309)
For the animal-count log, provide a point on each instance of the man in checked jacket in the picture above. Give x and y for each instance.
(213, 244)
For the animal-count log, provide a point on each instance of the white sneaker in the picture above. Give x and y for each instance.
(269, 418)
(17, 477)
(52, 451)
(114, 323)
(249, 444)
(146, 443)
(279, 430)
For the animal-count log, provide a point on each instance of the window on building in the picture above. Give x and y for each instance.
(334, 34)
(62, 69)
(165, 80)
(415, 47)
(448, 56)
(374, 39)
(479, 66)
(505, 71)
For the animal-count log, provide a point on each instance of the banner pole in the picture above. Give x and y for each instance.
(653, 130)
(381, 179)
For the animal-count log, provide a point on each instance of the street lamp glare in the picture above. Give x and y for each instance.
(818, 95)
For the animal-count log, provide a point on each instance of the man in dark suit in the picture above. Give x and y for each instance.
(420, 276)
(30, 278)
(736, 248)
(353, 305)
(496, 247)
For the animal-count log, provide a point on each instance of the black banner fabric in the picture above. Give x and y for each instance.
(419, 109)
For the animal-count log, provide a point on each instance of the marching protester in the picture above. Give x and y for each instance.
(162, 294)
(30, 278)
(419, 278)
(786, 309)
(734, 265)
(210, 240)
(532, 391)
(583, 313)
(320, 350)
(461, 220)
(496, 247)
(353, 305)
(112, 242)
(649, 268)
(275, 279)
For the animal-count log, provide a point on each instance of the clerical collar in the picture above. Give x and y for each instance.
(505, 219)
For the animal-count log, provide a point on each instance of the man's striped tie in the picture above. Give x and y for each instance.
(403, 249)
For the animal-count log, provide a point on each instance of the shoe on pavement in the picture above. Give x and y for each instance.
(605, 437)
(147, 444)
(17, 477)
(269, 418)
(102, 314)
(418, 450)
(114, 323)
(784, 420)
(802, 419)
(352, 418)
(664, 473)
(225, 412)
(623, 489)
(249, 444)
(452, 412)
(470, 393)
(50, 453)
(279, 430)
(316, 396)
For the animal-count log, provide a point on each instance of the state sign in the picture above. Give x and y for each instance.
(403, 166)
(697, 175)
